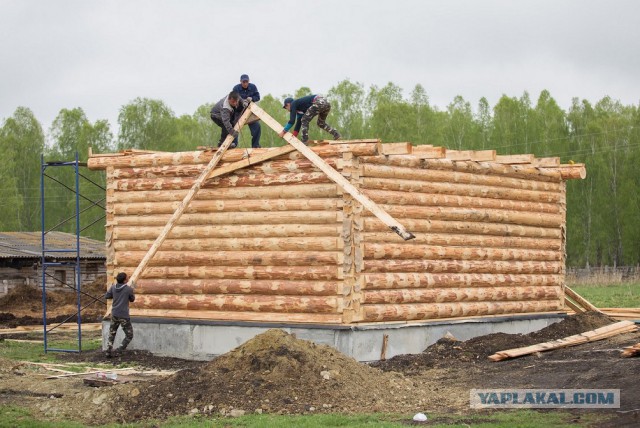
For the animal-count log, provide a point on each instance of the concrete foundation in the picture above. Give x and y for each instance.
(204, 340)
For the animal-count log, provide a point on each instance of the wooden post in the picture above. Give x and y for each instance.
(187, 199)
(343, 183)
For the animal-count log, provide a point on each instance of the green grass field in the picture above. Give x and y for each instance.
(611, 296)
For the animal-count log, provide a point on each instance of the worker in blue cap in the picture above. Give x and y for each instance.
(249, 94)
(303, 110)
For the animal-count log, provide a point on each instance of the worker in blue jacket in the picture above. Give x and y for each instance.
(303, 110)
(249, 93)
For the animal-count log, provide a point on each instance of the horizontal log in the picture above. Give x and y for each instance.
(293, 273)
(230, 231)
(298, 191)
(436, 226)
(401, 252)
(242, 303)
(457, 240)
(475, 294)
(444, 176)
(423, 311)
(440, 200)
(466, 266)
(237, 244)
(380, 281)
(573, 172)
(231, 258)
(236, 218)
(546, 162)
(237, 286)
(471, 190)
(238, 316)
(485, 168)
(204, 157)
(181, 183)
(229, 207)
(483, 215)
(194, 170)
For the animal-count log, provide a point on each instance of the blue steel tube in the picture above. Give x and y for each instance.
(77, 270)
(43, 261)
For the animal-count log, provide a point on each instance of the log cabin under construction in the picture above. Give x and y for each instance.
(279, 241)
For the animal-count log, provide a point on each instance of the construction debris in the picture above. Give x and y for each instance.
(578, 339)
(631, 351)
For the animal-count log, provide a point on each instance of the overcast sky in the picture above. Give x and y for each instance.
(100, 55)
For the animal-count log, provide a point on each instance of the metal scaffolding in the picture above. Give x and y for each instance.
(69, 256)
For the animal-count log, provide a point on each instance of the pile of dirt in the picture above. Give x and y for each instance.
(276, 373)
(22, 305)
(446, 351)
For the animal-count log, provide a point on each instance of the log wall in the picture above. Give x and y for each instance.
(260, 244)
(278, 241)
(489, 239)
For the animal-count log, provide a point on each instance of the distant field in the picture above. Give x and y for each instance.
(625, 295)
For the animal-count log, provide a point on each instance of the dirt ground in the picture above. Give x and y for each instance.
(23, 304)
(277, 373)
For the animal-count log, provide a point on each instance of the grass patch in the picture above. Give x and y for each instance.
(25, 351)
(611, 296)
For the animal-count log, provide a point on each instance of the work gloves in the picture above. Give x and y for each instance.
(295, 133)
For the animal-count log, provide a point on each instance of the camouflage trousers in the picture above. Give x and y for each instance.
(127, 328)
(320, 108)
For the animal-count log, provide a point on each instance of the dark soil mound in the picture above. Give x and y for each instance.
(446, 352)
(22, 296)
(274, 372)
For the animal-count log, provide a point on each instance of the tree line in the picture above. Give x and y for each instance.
(602, 211)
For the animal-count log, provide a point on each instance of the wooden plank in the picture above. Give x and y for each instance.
(187, 199)
(589, 336)
(546, 162)
(428, 152)
(250, 160)
(580, 300)
(514, 159)
(342, 182)
(471, 155)
(395, 148)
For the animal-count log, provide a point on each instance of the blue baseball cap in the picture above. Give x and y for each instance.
(288, 100)
(244, 77)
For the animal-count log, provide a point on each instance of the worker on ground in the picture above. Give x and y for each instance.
(225, 114)
(249, 93)
(122, 294)
(303, 110)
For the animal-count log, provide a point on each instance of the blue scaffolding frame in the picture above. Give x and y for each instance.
(50, 256)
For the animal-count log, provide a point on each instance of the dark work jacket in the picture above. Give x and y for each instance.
(121, 294)
(224, 113)
(251, 91)
(298, 109)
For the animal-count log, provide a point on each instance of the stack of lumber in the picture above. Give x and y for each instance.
(578, 339)
(270, 237)
(631, 351)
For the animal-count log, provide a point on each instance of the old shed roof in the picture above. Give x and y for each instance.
(16, 245)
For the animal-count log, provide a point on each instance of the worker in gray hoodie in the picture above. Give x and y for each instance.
(225, 114)
(122, 294)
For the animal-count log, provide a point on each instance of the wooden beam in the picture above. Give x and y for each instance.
(546, 162)
(396, 148)
(250, 160)
(426, 151)
(580, 300)
(471, 155)
(342, 182)
(187, 199)
(514, 159)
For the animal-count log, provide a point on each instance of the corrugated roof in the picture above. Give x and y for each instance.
(16, 245)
